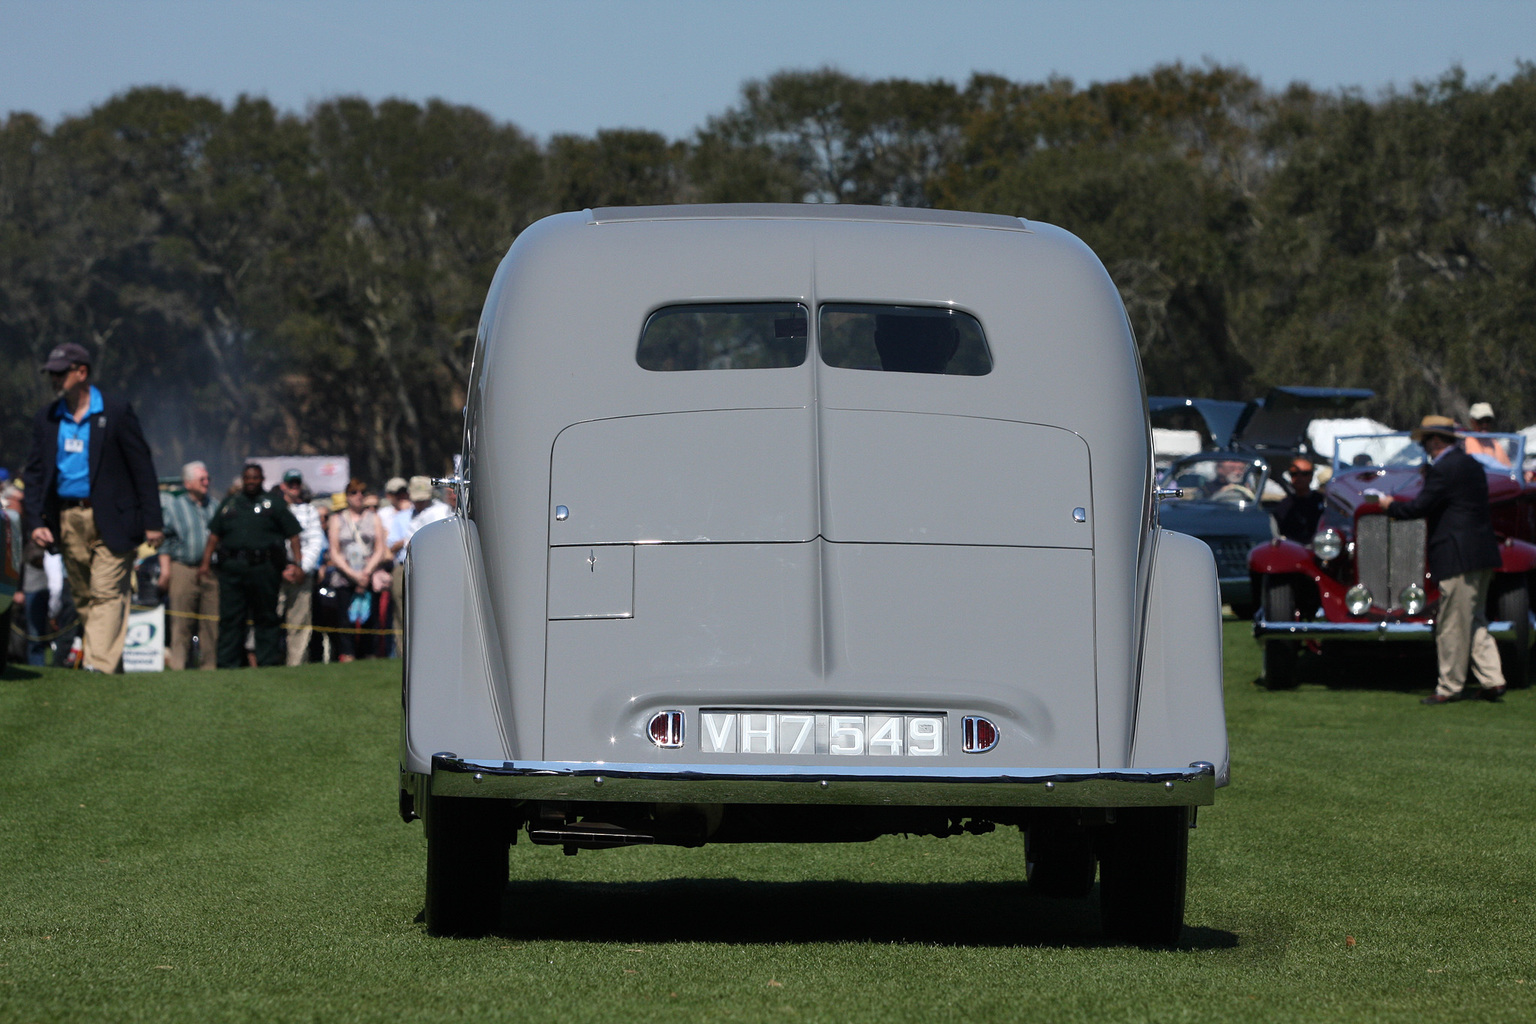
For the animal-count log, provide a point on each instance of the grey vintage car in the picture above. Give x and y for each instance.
(809, 524)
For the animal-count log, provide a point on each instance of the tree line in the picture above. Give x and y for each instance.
(261, 281)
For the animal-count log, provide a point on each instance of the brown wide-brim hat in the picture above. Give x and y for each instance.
(1443, 426)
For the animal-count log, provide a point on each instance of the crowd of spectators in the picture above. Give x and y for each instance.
(340, 603)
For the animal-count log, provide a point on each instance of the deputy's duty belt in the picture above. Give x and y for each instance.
(252, 556)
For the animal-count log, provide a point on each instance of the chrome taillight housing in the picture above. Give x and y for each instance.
(977, 734)
(666, 729)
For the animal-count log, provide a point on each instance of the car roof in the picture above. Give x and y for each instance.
(804, 211)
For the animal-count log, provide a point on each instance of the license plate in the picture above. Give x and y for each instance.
(814, 733)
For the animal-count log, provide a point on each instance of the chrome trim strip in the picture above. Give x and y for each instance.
(820, 784)
(1321, 629)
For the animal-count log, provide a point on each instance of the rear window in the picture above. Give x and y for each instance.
(746, 336)
(903, 339)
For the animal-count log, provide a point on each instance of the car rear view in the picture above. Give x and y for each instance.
(809, 525)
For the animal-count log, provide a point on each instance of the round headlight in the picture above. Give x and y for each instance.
(1413, 599)
(1327, 545)
(1358, 599)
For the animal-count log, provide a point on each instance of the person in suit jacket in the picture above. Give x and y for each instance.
(1463, 553)
(91, 490)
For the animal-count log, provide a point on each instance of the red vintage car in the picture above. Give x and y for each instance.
(1364, 577)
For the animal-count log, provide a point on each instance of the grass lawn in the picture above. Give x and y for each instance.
(224, 846)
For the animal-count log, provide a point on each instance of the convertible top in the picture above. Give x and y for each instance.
(1277, 422)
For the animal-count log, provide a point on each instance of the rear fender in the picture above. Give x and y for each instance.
(1180, 714)
(452, 660)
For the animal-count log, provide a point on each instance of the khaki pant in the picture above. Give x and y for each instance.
(1461, 629)
(99, 581)
(191, 596)
(294, 604)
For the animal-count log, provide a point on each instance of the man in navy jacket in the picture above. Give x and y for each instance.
(91, 490)
(1463, 553)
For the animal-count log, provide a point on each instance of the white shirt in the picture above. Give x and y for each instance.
(387, 513)
(408, 522)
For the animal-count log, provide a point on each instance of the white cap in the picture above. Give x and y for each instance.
(1481, 411)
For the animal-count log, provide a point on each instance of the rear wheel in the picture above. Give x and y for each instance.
(1280, 655)
(1513, 604)
(1059, 860)
(1143, 862)
(467, 841)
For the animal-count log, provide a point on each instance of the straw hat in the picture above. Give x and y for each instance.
(1442, 426)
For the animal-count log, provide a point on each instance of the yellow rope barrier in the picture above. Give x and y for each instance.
(47, 637)
(288, 626)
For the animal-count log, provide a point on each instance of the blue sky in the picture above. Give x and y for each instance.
(667, 65)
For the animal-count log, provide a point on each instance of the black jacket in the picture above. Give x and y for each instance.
(1455, 501)
(1298, 515)
(125, 496)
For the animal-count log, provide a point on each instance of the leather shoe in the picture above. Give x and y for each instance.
(1493, 693)
(1437, 698)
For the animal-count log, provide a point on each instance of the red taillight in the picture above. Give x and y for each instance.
(977, 735)
(666, 729)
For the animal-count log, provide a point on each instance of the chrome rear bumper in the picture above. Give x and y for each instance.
(794, 784)
(1322, 629)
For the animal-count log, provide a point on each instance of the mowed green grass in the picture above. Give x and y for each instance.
(224, 846)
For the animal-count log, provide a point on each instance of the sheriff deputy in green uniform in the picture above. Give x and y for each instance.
(248, 531)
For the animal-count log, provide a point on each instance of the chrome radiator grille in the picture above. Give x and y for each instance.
(1231, 555)
(1389, 555)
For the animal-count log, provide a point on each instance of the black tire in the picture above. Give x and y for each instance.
(467, 842)
(1143, 866)
(1280, 655)
(1059, 860)
(1512, 603)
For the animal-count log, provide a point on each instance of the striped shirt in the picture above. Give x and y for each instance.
(186, 526)
(311, 537)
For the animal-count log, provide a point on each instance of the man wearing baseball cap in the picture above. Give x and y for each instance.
(1486, 448)
(395, 501)
(91, 490)
(1463, 553)
(295, 599)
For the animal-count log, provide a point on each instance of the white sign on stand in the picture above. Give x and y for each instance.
(323, 474)
(144, 650)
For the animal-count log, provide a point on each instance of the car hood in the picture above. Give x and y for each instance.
(1347, 490)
